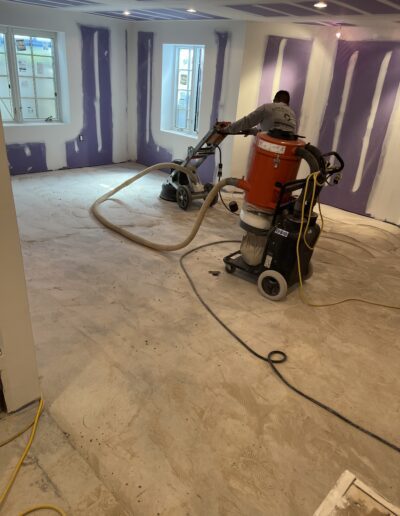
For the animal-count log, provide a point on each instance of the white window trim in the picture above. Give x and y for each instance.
(192, 130)
(11, 57)
(197, 49)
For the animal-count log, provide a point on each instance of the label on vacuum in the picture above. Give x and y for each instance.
(282, 232)
(272, 147)
(268, 261)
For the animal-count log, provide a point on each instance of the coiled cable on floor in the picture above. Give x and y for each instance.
(276, 357)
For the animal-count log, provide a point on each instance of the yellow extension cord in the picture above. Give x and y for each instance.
(303, 297)
(17, 468)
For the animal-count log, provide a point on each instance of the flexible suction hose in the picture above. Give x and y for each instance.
(148, 243)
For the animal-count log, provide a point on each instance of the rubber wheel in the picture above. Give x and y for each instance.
(272, 285)
(208, 187)
(230, 269)
(183, 197)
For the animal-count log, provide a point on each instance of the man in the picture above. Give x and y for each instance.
(277, 117)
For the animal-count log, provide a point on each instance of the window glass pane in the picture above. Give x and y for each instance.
(3, 64)
(46, 108)
(42, 46)
(22, 44)
(24, 65)
(5, 90)
(183, 80)
(182, 100)
(26, 87)
(28, 108)
(43, 66)
(181, 87)
(6, 110)
(183, 58)
(2, 42)
(45, 88)
(181, 119)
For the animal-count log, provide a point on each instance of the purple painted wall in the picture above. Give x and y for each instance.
(296, 58)
(358, 109)
(92, 151)
(148, 152)
(207, 170)
(24, 158)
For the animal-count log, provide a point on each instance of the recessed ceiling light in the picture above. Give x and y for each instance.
(191, 10)
(126, 13)
(321, 5)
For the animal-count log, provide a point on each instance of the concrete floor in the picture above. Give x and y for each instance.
(152, 408)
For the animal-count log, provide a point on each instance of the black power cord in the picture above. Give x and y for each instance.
(219, 175)
(274, 357)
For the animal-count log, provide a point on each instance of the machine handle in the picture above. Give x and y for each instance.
(291, 186)
(250, 132)
(220, 127)
(339, 158)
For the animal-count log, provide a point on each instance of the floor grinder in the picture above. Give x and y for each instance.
(281, 229)
(179, 187)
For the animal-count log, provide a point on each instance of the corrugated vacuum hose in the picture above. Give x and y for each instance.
(143, 241)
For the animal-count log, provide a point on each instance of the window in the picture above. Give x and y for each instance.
(181, 88)
(28, 76)
(6, 103)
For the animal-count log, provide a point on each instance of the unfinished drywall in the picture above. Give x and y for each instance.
(344, 92)
(93, 66)
(223, 55)
(360, 104)
(94, 144)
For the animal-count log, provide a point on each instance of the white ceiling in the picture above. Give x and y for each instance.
(357, 12)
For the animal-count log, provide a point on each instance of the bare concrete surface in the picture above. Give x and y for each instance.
(173, 417)
(53, 473)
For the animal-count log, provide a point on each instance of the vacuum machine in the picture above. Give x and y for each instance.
(281, 229)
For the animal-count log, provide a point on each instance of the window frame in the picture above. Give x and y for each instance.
(195, 95)
(11, 58)
(195, 80)
(3, 30)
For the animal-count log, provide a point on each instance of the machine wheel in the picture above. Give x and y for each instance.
(208, 187)
(230, 269)
(272, 285)
(183, 197)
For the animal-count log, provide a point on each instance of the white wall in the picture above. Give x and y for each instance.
(18, 371)
(384, 202)
(196, 33)
(55, 135)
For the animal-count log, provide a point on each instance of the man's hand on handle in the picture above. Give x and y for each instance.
(221, 127)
